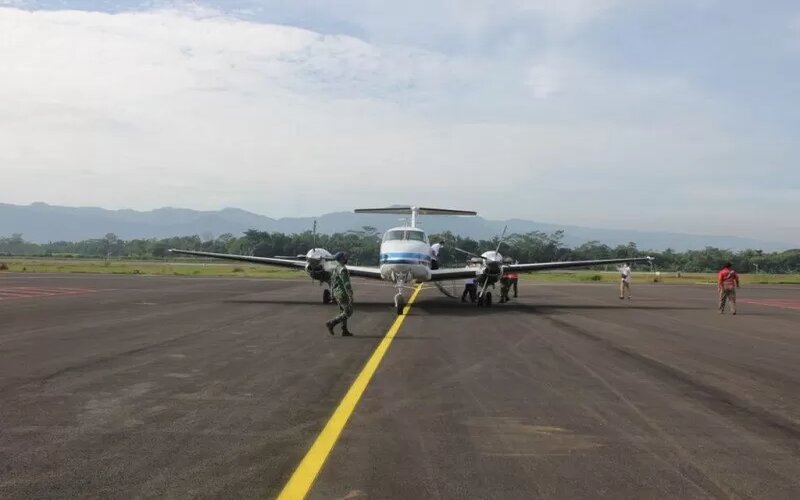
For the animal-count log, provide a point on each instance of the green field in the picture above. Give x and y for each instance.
(175, 267)
(149, 267)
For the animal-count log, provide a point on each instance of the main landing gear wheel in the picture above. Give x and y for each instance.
(326, 296)
(399, 303)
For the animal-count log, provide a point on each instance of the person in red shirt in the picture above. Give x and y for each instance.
(727, 283)
(514, 279)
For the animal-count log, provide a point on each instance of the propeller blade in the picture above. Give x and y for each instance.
(501, 239)
(468, 253)
(314, 232)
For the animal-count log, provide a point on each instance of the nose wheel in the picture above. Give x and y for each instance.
(485, 299)
(399, 303)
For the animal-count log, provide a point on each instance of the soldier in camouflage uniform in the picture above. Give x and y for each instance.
(505, 286)
(343, 293)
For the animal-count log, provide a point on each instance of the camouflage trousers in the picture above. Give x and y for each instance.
(345, 308)
(505, 286)
(727, 295)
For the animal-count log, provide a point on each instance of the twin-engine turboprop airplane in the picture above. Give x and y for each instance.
(405, 258)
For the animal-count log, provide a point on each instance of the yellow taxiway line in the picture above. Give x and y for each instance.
(303, 477)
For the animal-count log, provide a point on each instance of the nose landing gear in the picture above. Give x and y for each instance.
(399, 303)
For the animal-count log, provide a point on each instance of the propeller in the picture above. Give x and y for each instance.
(474, 256)
(303, 256)
(314, 233)
(501, 239)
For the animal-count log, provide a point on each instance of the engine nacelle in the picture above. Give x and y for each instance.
(315, 263)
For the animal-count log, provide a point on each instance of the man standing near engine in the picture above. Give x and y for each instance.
(727, 283)
(471, 289)
(343, 293)
(514, 278)
(435, 249)
(625, 281)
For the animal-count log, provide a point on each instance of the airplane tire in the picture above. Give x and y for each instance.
(488, 299)
(400, 304)
(326, 296)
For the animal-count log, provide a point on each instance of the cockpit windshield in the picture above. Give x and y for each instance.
(415, 235)
(405, 234)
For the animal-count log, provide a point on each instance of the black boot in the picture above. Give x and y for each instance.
(330, 325)
(345, 331)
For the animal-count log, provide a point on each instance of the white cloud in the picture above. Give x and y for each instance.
(544, 81)
(192, 108)
(566, 17)
(794, 28)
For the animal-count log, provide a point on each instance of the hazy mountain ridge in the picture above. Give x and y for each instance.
(41, 223)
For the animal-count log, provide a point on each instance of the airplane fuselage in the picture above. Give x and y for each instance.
(405, 255)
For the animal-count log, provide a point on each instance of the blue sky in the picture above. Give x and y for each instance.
(678, 115)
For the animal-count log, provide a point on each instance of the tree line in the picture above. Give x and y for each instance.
(363, 247)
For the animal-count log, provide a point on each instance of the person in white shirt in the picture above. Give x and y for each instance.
(435, 249)
(625, 281)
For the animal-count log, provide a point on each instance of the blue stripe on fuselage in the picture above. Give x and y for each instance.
(409, 256)
(405, 255)
(406, 258)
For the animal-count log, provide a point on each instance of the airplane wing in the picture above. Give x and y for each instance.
(364, 272)
(545, 266)
(272, 261)
(361, 271)
(453, 273)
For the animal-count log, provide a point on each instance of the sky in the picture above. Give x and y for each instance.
(674, 115)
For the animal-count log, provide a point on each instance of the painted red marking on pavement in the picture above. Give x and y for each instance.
(782, 303)
(27, 292)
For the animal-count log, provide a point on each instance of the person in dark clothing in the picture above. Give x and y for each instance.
(343, 293)
(471, 289)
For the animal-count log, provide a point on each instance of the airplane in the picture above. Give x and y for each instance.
(405, 258)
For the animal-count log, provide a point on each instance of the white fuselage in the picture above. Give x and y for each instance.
(405, 255)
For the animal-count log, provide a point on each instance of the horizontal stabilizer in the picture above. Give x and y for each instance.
(418, 210)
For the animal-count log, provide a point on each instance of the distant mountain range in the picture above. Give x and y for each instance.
(41, 223)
